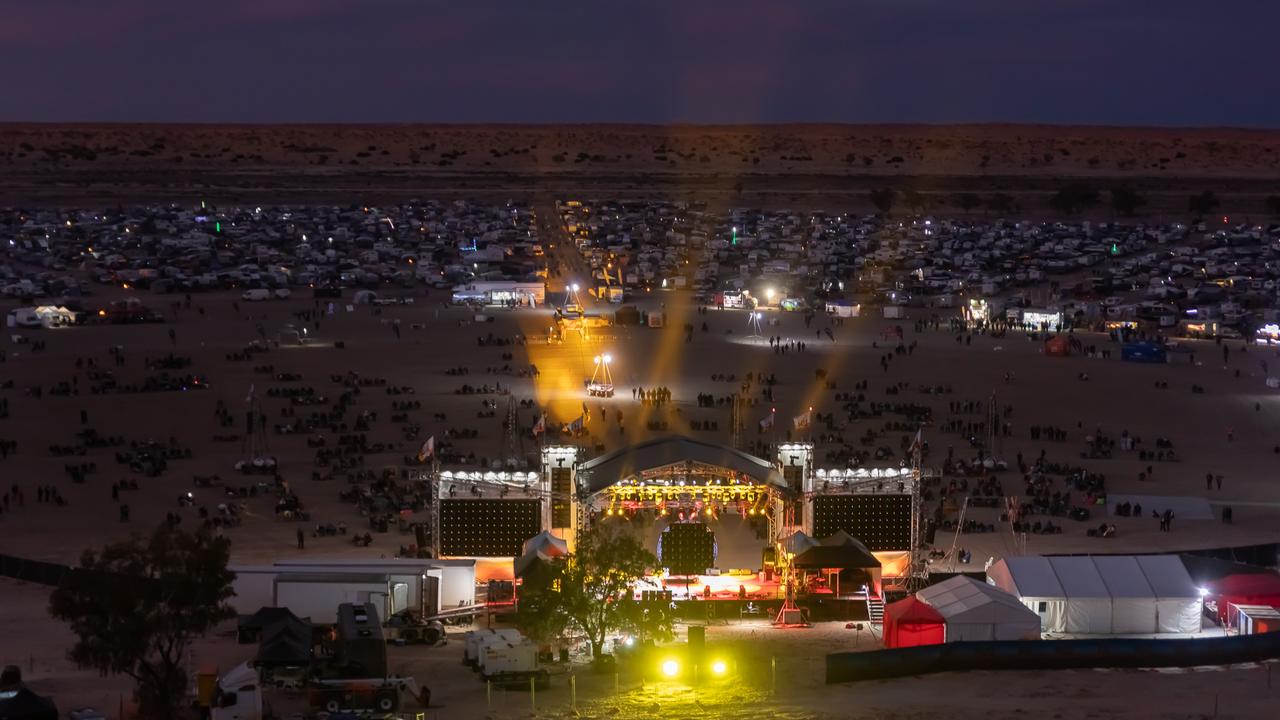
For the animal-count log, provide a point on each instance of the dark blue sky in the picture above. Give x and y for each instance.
(1134, 62)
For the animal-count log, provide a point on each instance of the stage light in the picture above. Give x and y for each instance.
(670, 668)
(719, 667)
(629, 642)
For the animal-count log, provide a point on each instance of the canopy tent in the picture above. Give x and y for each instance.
(836, 557)
(1058, 345)
(254, 626)
(1244, 589)
(286, 643)
(910, 622)
(1103, 594)
(538, 551)
(839, 553)
(974, 610)
(22, 704)
(797, 542)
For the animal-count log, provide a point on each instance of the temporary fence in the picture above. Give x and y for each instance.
(1051, 655)
(34, 571)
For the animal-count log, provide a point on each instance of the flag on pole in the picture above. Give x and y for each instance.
(428, 449)
(767, 422)
(540, 426)
(803, 420)
(577, 425)
(917, 445)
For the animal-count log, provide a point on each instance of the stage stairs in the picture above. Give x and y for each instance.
(875, 610)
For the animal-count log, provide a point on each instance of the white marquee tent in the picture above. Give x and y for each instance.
(974, 610)
(1104, 594)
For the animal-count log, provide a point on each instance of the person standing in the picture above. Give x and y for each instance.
(301, 539)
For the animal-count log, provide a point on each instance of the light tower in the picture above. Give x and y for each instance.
(753, 321)
(601, 384)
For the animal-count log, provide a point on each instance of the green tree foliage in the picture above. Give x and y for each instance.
(882, 199)
(1204, 203)
(1125, 200)
(136, 606)
(590, 591)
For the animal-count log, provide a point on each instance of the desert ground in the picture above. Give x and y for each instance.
(808, 166)
(1230, 430)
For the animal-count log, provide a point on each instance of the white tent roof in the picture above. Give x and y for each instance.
(1079, 577)
(964, 599)
(1028, 576)
(1168, 577)
(1123, 576)
(1104, 593)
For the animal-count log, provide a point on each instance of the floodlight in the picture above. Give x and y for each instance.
(671, 668)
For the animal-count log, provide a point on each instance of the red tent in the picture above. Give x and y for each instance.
(1244, 589)
(912, 622)
(1057, 345)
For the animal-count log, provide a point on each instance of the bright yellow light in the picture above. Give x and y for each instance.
(719, 667)
(671, 668)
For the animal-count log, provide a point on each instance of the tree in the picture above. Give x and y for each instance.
(540, 612)
(136, 606)
(1273, 204)
(596, 585)
(1074, 197)
(967, 201)
(882, 198)
(1125, 200)
(1204, 203)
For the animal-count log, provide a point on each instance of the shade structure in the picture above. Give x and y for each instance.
(538, 551)
(797, 542)
(1244, 589)
(286, 643)
(976, 611)
(910, 622)
(1094, 595)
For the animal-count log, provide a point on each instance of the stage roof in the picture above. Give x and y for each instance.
(599, 473)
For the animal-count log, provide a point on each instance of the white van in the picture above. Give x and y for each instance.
(256, 295)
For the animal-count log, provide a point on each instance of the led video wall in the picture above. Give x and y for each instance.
(687, 549)
(881, 522)
(487, 528)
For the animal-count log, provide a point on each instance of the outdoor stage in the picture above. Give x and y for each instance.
(728, 528)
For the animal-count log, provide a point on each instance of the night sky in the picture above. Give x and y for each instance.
(1163, 62)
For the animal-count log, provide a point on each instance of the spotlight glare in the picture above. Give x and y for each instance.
(719, 667)
(670, 668)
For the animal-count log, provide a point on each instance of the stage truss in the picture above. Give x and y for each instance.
(692, 489)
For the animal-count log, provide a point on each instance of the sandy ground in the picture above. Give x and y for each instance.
(1043, 390)
(795, 691)
(828, 167)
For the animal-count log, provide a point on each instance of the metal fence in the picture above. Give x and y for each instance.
(34, 571)
(1051, 655)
